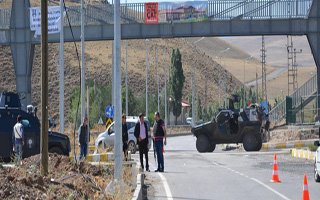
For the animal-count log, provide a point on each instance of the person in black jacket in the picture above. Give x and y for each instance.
(160, 138)
(141, 133)
(124, 137)
(84, 138)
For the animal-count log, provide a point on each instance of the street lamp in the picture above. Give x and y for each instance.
(193, 83)
(244, 79)
(147, 74)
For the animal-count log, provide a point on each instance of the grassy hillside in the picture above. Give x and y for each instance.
(98, 65)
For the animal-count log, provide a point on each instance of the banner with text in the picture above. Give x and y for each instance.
(53, 20)
(151, 13)
(189, 11)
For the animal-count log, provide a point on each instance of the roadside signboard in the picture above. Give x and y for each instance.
(108, 122)
(109, 111)
(151, 13)
(53, 20)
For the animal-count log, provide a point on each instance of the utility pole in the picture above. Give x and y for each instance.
(127, 78)
(61, 71)
(292, 65)
(127, 100)
(147, 75)
(44, 88)
(165, 89)
(257, 89)
(193, 98)
(117, 99)
(83, 81)
(88, 103)
(264, 71)
(158, 78)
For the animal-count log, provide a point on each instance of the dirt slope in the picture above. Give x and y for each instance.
(98, 64)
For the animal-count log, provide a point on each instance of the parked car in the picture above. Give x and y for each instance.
(317, 163)
(106, 139)
(189, 120)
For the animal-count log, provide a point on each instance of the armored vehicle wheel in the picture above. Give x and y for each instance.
(202, 143)
(252, 142)
(212, 147)
(259, 146)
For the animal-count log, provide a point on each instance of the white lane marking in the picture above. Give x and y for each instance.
(269, 188)
(257, 181)
(165, 185)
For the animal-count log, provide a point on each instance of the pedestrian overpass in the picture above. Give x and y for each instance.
(225, 18)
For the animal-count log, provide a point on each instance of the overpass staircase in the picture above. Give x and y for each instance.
(300, 98)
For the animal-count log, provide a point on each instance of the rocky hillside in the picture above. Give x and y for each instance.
(98, 55)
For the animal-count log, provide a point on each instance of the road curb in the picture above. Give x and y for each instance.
(293, 144)
(91, 148)
(301, 153)
(102, 157)
(137, 195)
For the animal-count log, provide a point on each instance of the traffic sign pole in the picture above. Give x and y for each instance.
(117, 99)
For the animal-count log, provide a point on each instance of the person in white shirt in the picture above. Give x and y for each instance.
(18, 139)
(141, 133)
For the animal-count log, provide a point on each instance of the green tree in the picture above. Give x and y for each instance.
(97, 103)
(176, 83)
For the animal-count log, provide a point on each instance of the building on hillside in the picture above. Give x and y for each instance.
(181, 13)
(182, 118)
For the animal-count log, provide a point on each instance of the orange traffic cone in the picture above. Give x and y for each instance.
(275, 175)
(305, 193)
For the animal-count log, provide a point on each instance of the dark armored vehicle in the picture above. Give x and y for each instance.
(232, 126)
(10, 108)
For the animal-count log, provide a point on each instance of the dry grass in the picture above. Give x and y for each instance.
(237, 67)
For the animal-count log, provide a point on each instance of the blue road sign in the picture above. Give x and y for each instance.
(109, 111)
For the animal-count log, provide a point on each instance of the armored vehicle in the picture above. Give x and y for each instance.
(10, 108)
(232, 126)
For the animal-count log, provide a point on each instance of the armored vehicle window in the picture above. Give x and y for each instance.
(10, 99)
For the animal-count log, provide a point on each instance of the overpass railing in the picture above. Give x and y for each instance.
(102, 13)
(307, 90)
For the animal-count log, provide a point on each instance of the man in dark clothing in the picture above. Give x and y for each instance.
(124, 137)
(84, 138)
(159, 134)
(141, 133)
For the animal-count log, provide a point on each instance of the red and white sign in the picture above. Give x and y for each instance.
(151, 13)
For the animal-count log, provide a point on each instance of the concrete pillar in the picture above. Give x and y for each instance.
(21, 48)
(314, 40)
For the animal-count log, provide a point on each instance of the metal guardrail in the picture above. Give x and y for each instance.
(5, 15)
(306, 90)
(258, 9)
(217, 10)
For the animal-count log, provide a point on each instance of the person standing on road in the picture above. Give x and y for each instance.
(84, 138)
(124, 137)
(159, 134)
(141, 133)
(18, 139)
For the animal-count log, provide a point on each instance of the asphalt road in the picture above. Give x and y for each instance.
(226, 175)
